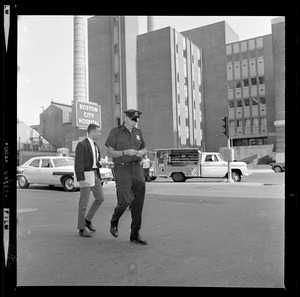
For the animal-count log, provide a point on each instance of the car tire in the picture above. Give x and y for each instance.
(22, 182)
(236, 176)
(277, 169)
(178, 177)
(68, 184)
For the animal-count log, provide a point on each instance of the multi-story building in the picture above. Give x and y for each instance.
(250, 82)
(278, 42)
(254, 89)
(170, 89)
(184, 83)
(112, 67)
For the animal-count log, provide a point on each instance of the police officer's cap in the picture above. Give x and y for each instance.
(132, 113)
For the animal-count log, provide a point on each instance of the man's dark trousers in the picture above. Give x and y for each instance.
(130, 183)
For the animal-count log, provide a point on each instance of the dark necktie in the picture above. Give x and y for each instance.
(96, 151)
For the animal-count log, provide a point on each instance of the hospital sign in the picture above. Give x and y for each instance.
(87, 113)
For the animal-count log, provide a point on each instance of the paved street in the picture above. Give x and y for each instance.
(200, 233)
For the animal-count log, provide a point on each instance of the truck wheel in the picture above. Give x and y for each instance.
(236, 176)
(178, 177)
(68, 184)
(277, 169)
(22, 182)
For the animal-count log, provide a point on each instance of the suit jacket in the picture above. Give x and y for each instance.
(84, 158)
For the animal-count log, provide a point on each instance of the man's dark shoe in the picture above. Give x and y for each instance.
(114, 231)
(138, 240)
(85, 233)
(89, 225)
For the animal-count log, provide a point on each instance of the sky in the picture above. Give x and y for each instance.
(45, 54)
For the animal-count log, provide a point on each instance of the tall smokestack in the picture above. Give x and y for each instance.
(150, 23)
(79, 74)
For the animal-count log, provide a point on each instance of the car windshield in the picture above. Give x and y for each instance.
(63, 162)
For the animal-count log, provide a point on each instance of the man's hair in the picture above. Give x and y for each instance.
(92, 127)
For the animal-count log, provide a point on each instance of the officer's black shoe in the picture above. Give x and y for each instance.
(138, 240)
(114, 231)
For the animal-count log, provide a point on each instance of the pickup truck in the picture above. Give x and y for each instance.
(278, 167)
(183, 163)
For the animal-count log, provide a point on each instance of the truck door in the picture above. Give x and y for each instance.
(208, 166)
(221, 166)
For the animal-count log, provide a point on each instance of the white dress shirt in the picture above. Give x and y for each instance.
(95, 152)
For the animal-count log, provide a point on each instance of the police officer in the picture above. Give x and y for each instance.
(126, 146)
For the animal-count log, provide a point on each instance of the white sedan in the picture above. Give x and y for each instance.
(52, 171)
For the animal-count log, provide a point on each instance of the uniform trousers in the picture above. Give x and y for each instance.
(84, 200)
(130, 184)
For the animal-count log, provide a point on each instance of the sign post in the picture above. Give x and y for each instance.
(87, 113)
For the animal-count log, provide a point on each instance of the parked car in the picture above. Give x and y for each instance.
(52, 171)
(278, 167)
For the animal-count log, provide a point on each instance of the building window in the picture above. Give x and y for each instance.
(245, 142)
(229, 59)
(260, 52)
(252, 54)
(116, 63)
(261, 80)
(245, 56)
(231, 103)
(238, 84)
(253, 81)
(116, 35)
(254, 101)
(262, 100)
(246, 82)
(116, 49)
(236, 57)
(251, 141)
(239, 103)
(247, 102)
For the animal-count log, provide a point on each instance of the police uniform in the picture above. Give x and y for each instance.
(128, 173)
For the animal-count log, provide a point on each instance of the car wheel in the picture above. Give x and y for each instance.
(178, 177)
(277, 169)
(22, 182)
(236, 176)
(68, 184)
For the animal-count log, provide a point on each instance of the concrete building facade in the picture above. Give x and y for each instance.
(278, 43)
(170, 89)
(212, 41)
(112, 67)
(250, 81)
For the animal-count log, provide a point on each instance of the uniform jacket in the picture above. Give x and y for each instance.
(120, 139)
(84, 159)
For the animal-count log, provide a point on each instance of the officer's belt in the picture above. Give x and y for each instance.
(128, 163)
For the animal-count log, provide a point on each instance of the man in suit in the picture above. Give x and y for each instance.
(88, 159)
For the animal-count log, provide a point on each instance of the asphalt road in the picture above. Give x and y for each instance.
(206, 233)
